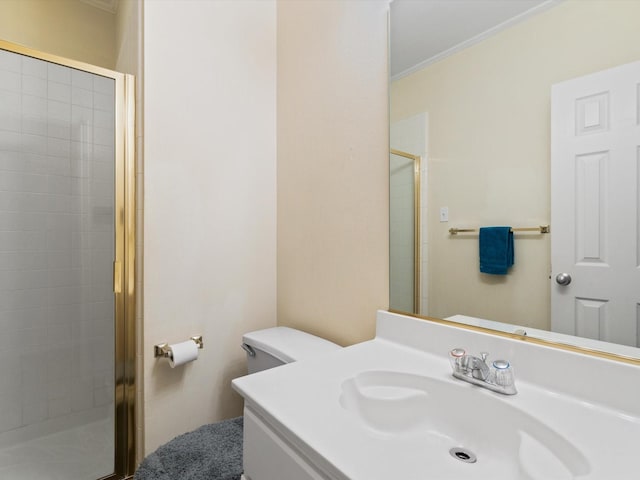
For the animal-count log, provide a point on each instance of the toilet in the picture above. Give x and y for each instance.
(276, 346)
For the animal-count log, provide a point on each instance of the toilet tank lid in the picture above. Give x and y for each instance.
(288, 344)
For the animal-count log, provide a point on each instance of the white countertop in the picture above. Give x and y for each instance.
(302, 400)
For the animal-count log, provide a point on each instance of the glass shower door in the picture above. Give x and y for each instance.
(404, 232)
(57, 251)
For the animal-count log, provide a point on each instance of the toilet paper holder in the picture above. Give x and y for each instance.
(162, 350)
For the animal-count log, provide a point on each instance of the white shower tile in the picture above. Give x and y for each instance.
(21, 241)
(10, 122)
(81, 115)
(104, 171)
(104, 85)
(58, 370)
(101, 294)
(10, 141)
(22, 299)
(58, 110)
(34, 375)
(33, 337)
(11, 81)
(82, 394)
(102, 101)
(82, 354)
(102, 192)
(34, 125)
(34, 67)
(33, 106)
(102, 153)
(59, 406)
(22, 182)
(103, 136)
(34, 411)
(59, 129)
(44, 213)
(10, 161)
(58, 259)
(102, 396)
(65, 277)
(33, 163)
(58, 240)
(104, 119)
(59, 333)
(102, 315)
(102, 361)
(10, 61)
(82, 79)
(82, 97)
(59, 73)
(19, 260)
(60, 185)
(34, 86)
(23, 279)
(10, 101)
(10, 411)
(36, 144)
(10, 374)
(27, 317)
(80, 248)
(58, 147)
(59, 92)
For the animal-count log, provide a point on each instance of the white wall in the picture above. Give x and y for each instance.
(210, 200)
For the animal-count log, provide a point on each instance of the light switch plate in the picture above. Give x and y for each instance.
(444, 214)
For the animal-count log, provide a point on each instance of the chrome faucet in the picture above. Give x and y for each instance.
(498, 378)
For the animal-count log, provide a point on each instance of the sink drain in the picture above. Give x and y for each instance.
(463, 455)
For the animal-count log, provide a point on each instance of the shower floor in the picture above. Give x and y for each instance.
(84, 452)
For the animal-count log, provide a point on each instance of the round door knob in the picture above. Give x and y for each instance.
(563, 279)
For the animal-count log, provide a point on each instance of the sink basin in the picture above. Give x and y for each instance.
(444, 415)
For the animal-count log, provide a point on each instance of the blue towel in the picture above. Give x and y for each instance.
(496, 250)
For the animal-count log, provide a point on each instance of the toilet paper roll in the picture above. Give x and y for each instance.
(183, 352)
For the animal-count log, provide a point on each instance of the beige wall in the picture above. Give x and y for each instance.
(68, 28)
(489, 110)
(333, 246)
(210, 201)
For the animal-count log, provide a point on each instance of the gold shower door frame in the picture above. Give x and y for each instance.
(124, 261)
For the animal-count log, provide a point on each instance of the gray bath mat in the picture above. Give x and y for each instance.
(212, 452)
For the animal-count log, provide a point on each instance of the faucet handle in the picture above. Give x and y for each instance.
(504, 373)
(456, 358)
(483, 356)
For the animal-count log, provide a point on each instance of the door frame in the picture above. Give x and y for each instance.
(124, 272)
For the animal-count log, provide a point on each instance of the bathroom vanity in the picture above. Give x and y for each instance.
(391, 408)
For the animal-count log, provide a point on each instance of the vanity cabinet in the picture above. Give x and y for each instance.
(269, 456)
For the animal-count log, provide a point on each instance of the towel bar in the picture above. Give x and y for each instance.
(539, 229)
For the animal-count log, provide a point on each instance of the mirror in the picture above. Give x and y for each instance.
(492, 96)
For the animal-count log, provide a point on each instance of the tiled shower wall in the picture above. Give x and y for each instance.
(56, 241)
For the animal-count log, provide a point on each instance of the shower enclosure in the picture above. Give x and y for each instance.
(404, 231)
(66, 269)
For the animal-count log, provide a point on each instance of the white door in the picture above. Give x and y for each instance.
(595, 158)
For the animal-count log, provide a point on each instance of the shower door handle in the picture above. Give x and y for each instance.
(117, 277)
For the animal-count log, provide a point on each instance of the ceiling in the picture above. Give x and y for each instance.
(424, 31)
